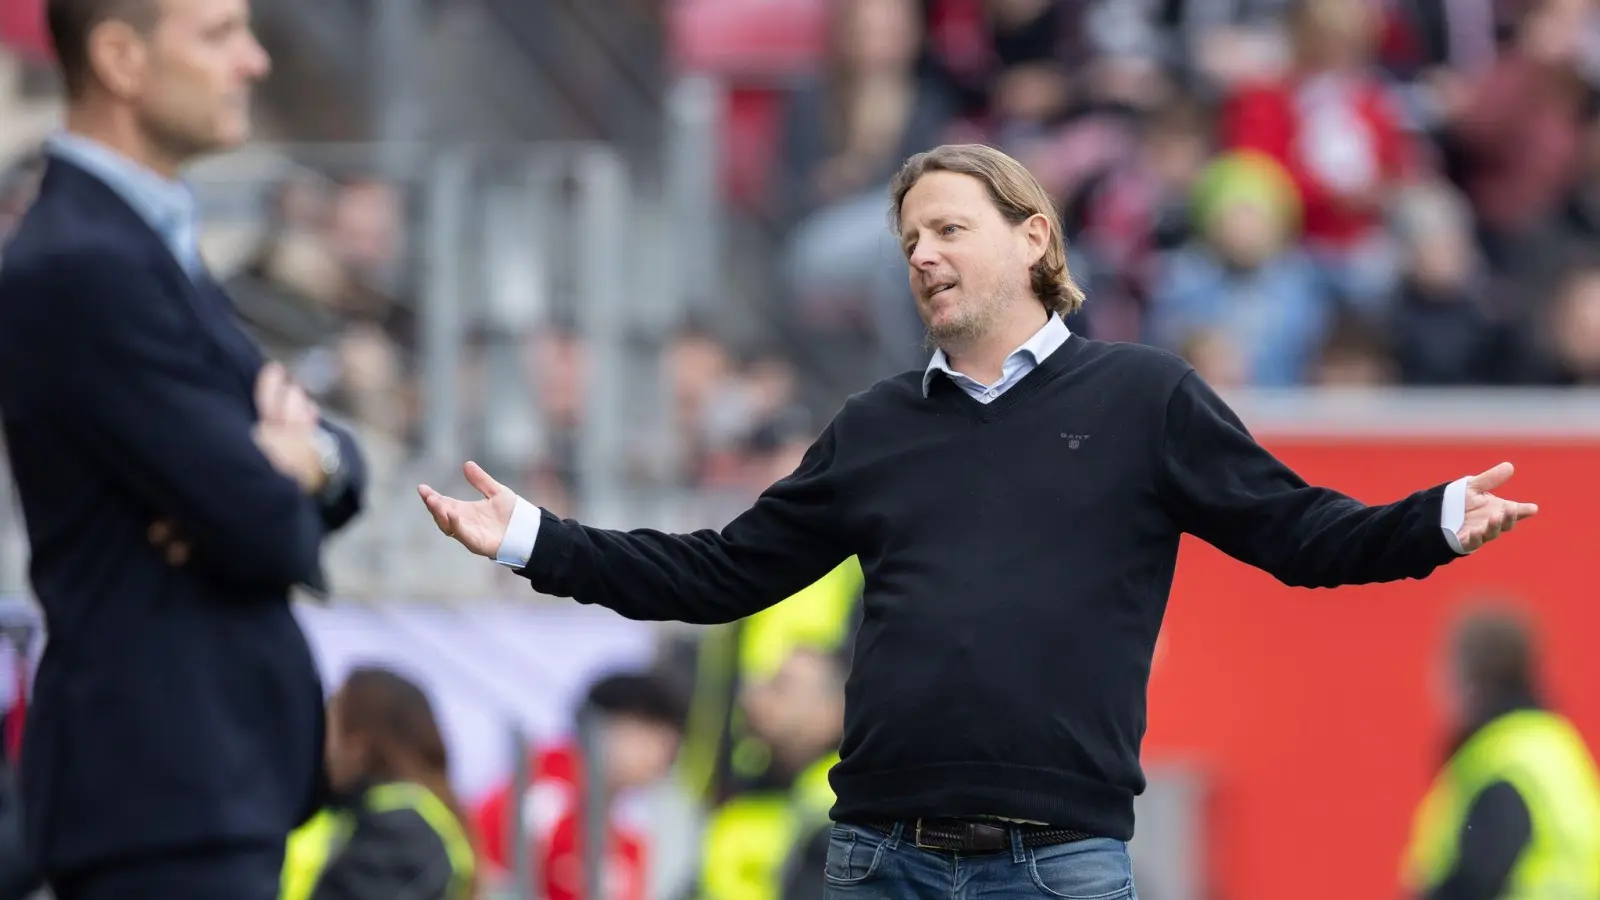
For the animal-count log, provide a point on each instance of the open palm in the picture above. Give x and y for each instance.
(480, 525)
(1489, 516)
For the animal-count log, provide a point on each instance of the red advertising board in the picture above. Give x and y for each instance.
(1312, 713)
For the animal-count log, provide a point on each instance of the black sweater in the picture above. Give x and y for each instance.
(1018, 558)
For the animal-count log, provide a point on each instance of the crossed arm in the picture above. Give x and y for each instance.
(137, 395)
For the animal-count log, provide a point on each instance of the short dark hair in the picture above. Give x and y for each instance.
(649, 696)
(72, 21)
(1494, 648)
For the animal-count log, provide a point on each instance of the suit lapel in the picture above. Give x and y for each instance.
(202, 296)
(213, 311)
(215, 306)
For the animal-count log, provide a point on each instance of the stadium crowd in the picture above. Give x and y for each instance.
(1286, 192)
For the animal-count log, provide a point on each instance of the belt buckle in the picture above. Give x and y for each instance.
(916, 837)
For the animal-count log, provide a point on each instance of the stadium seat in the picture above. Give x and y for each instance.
(749, 40)
(752, 128)
(756, 48)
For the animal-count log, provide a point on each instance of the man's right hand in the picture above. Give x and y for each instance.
(479, 525)
(292, 451)
(287, 430)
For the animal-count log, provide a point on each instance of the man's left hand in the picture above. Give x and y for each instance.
(1489, 516)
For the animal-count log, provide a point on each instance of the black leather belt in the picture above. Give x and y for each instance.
(975, 836)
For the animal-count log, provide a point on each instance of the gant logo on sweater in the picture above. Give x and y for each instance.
(1074, 441)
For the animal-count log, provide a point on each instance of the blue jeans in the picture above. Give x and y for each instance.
(865, 864)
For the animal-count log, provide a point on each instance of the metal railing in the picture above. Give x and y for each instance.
(606, 62)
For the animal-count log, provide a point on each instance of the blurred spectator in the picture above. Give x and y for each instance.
(1442, 331)
(1426, 36)
(1582, 213)
(1111, 105)
(755, 408)
(557, 363)
(321, 293)
(395, 828)
(1216, 357)
(1332, 124)
(848, 129)
(724, 754)
(846, 134)
(1032, 88)
(1573, 327)
(286, 291)
(1516, 132)
(1355, 355)
(1515, 812)
(697, 364)
(1243, 281)
(770, 841)
(365, 228)
(1138, 212)
(1010, 61)
(642, 721)
(1222, 43)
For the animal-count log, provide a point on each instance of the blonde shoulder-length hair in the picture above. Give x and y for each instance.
(1017, 194)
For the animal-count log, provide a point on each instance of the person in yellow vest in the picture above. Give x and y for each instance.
(395, 830)
(722, 755)
(1515, 813)
(759, 845)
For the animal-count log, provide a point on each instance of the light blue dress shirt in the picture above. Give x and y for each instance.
(166, 205)
(1022, 360)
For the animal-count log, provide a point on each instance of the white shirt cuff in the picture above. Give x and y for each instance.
(516, 548)
(1453, 513)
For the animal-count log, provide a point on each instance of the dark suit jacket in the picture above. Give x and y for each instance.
(174, 706)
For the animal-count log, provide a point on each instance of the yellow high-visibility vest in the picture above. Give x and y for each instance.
(820, 615)
(749, 839)
(313, 844)
(1545, 759)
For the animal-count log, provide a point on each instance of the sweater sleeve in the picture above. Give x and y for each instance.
(786, 541)
(1224, 488)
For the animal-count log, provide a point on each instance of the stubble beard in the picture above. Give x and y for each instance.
(975, 319)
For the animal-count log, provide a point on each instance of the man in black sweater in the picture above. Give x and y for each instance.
(1016, 509)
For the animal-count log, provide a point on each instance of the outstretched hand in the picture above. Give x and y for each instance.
(480, 525)
(1489, 516)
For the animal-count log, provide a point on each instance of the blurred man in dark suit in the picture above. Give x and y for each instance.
(176, 485)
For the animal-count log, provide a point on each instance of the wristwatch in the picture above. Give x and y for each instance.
(331, 458)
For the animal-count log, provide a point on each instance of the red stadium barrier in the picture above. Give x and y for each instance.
(1312, 711)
